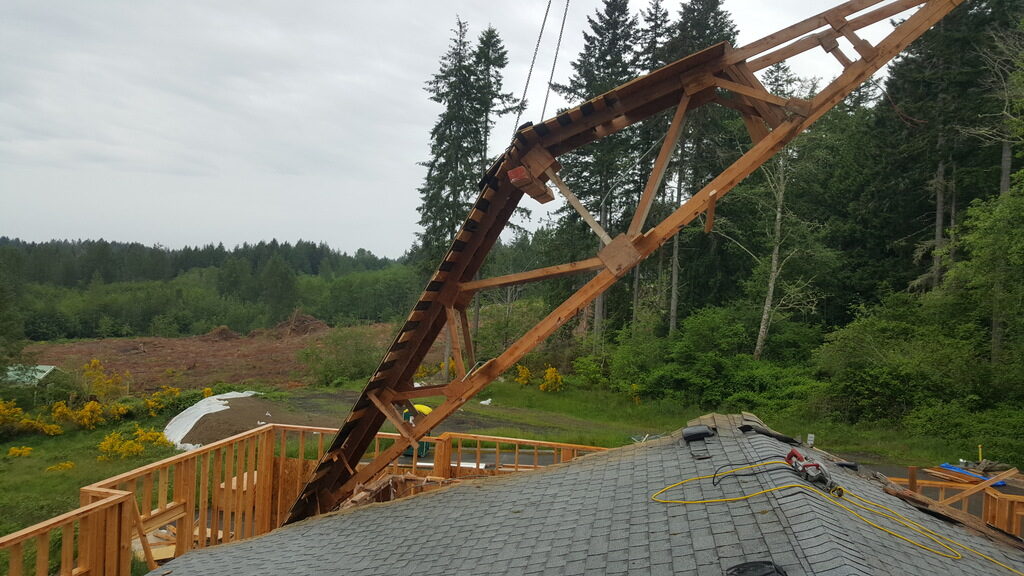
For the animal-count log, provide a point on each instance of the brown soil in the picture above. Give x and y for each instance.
(269, 358)
(248, 413)
(324, 408)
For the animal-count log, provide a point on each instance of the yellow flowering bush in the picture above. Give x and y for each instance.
(158, 400)
(424, 372)
(523, 375)
(552, 380)
(61, 466)
(10, 414)
(207, 392)
(151, 436)
(36, 425)
(90, 416)
(105, 386)
(19, 451)
(116, 445)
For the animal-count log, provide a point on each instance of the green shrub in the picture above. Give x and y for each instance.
(591, 372)
(345, 354)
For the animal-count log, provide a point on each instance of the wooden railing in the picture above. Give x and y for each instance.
(994, 507)
(217, 494)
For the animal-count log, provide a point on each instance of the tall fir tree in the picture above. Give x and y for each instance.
(602, 173)
(469, 86)
(706, 150)
(489, 60)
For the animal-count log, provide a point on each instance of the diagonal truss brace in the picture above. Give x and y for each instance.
(530, 162)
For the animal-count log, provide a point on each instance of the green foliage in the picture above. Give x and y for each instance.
(345, 354)
(963, 424)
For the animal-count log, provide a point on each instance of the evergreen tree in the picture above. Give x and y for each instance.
(707, 148)
(489, 60)
(603, 173)
(468, 85)
(278, 288)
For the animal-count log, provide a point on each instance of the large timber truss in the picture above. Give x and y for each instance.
(720, 74)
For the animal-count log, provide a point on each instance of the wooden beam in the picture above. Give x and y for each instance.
(391, 413)
(755, 127)
(812, 41)
(467, 337)
(580, 208)
(979, 487)
(675, 130)
(752, 92)
(709, 216)
(557, 271)
(799, 29)
(841, 25)
(771, 111)
(421, 392)
(456, 344)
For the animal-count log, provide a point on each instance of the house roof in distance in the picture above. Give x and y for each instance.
(595, 515)
(28, 375)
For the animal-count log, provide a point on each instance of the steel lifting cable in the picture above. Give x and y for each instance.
(536, 48)
(842, 500)
(554, 62)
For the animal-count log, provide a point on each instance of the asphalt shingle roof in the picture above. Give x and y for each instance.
(595, 516)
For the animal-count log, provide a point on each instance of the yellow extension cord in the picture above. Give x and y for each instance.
(862, 503)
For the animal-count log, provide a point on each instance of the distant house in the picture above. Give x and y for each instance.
(30, 376)
(596, 515)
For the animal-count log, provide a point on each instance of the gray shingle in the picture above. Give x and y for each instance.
(595, 515)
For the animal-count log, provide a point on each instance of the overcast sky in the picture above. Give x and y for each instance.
(174, 123)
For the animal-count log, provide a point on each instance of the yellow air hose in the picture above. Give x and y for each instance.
(840, 498)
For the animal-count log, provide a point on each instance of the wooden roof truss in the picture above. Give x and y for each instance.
(720, 74)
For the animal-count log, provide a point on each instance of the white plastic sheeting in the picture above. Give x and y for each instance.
(182, 424)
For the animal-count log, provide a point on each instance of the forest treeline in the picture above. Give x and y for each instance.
(873, 271)
(97, 289)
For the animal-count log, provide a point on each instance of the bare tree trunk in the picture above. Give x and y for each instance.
(940, 209)
(1004, 168)
(773, 271)
(636, 291)
(998, 328)
(673, 306)
(599, 301)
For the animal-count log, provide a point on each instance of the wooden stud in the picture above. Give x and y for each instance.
(204, 479)
(43, 554)
(147, 550)
(67, 549)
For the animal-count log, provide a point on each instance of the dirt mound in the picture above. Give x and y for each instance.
(220, 334)
(299, 325)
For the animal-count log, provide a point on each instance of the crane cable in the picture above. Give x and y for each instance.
(536, 48)
(554, 62)
(838, 498)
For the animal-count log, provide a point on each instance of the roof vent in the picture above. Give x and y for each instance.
(756, 568)
(700, 432)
